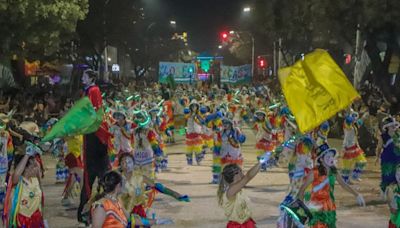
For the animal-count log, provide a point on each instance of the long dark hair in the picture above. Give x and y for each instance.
(108, 183)
(322, 170)
(227, 175)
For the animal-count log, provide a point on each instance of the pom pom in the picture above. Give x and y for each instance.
(349, 119)
(203, 109)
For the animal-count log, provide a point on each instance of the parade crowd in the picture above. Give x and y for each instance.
(113, 169)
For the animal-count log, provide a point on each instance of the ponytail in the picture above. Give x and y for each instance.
(227, 175)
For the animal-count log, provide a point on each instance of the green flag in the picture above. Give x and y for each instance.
(81, 119)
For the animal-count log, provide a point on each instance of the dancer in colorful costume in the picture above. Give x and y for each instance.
(353, 157)
(321, 133)
(393, 196)
(168, 108)
(207, 131)
(300, 165)
(146, 146)
(122, 132)
(134, 197)
(232, 197)
(264, 137)
(214, 123)
(322, 179)
(61, 169)
(73, 149)
(6, 147)
(194, 140)
(107, 210)
(230, 139)
(157, 124)
(388, 151)
(23, 205)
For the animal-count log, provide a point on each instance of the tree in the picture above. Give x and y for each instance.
(36, 29)
(124, 24)
(332, 24)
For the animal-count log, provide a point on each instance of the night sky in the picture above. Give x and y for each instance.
(202, 19)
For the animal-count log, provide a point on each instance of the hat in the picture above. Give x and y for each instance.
(389, 122)
(30, 127)
(194, 102)
(119, 111)
(323, 149)
(260, 112)
(4, 118)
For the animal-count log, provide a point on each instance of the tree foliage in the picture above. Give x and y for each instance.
(125, 25)
(304, 25)
(36, 29)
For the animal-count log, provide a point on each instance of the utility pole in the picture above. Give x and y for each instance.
(279, 53)
(252, 57)
(275, 73)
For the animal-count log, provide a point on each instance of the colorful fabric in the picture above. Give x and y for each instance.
(115, 216)
(248, 224)
(81, 119)
(35, 220)
(230, 151)
(194, 143)
(61, 170)
(74, 145)
(30, 198)
(389, 161)
(4, 150)
(354, 162)
(395, 217)
(133, 192)
(322, 197)
(316, 89)
(73, 162)
(139, 210)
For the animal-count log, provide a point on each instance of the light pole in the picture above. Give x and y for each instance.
(253, 44)
(247, 10)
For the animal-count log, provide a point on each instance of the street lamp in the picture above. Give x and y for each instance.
(219, 46)
(246, 9)
(172, 22)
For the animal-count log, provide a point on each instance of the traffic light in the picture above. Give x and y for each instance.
(347, 59)
(262, 62)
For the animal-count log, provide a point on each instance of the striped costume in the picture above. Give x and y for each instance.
(353, 156)
(194, 139)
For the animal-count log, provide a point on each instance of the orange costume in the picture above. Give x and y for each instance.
(322, 197)
(115, 216)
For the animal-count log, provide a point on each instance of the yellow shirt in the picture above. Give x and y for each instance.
(237, 209)
(74, 144)
(31, 197)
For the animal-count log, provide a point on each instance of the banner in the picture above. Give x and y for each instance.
(181, 72)
(236, 74)
(316, 89)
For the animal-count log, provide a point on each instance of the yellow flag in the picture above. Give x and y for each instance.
(316, 89)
